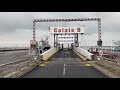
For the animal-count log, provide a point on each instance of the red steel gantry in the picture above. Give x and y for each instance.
(33, 42)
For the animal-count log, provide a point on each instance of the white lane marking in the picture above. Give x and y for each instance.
(64, 70)
(64, 65)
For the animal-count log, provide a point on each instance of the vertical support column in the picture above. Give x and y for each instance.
(79, 39)
(54, 40)
(33, 30)
(76, 40)
(99, 29)
(57, 40)
(99, 37)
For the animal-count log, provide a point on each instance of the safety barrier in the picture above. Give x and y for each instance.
(3, 50)
(18, 68)
(46, 55)
(107, 59)
(84, 54)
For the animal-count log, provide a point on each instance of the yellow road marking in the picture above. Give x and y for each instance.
(87, 65)
(42, 65)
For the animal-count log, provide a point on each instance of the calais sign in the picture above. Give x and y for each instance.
(67, 29)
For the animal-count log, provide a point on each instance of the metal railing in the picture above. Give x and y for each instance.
(115, 60)
(14, 69)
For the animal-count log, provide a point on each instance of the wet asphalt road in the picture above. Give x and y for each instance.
(65, 64)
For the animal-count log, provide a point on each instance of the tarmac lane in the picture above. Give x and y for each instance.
(65, 64)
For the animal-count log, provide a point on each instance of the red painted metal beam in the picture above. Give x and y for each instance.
(63, 20)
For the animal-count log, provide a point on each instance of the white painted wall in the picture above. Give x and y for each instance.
(84, 52)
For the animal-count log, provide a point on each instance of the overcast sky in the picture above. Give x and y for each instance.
(16, 27)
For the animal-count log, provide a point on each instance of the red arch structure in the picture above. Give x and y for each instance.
(69, 20)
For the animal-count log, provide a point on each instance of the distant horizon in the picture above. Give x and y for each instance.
(81, 46)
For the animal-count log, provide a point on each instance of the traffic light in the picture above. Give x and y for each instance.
(99, 43)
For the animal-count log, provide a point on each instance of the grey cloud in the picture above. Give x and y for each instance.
(11, 22)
